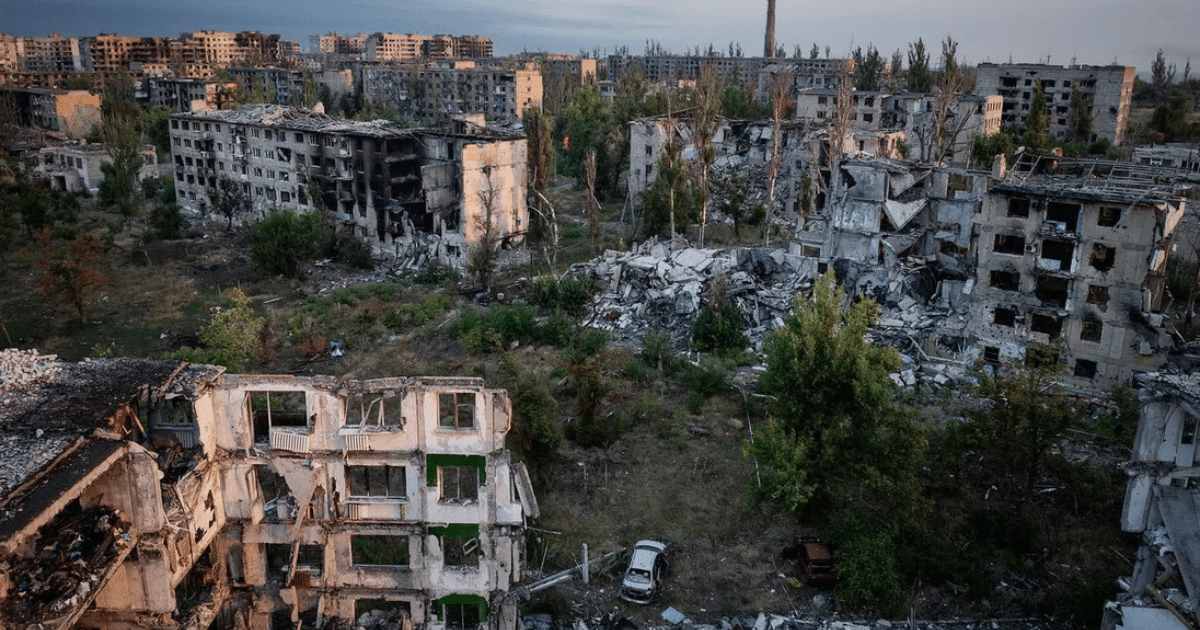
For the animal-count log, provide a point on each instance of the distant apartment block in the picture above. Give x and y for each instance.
(1106, 90)
(914, 114)
(338, 44)
(76, 168)
(437, 91)
(393, 186)
(53, 53)
(185, 95)
(411, 46)
(72, 113)
(746, 71)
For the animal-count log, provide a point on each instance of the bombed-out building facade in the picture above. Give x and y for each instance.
(400, 190)
(161, 495)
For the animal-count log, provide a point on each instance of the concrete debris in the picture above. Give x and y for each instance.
(20, 369)
(794, 622)
(662, 286)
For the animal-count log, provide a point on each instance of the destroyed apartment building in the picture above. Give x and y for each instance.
(153, 494)
(412, 194)
(968, 265)
(1162, 505)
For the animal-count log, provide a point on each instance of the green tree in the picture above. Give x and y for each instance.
(231, 338)
(1081, 117)
(232, 201)
(668, 200)
(919, 78)
(1171, 118)
(156, 128)
(69, 272)
(283, 240)
(121, 133)
(831, 401)
(537, 437)
(540, 156)
(1038, 120)
(985, 148)
(868, 68)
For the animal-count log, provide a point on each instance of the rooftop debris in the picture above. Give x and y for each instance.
(75, 552)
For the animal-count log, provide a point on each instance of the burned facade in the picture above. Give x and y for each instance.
(1163, 592)
(183, 497)
(73, 113)
(75, 168)
(398, 189)
(1075, 262)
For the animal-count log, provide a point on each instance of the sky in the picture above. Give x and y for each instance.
(1099, 32)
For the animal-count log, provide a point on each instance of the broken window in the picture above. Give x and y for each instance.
(1038, 356)
(175, 411)
(1103, 257)
(1056, 255)
(388, 551)
(1085, 368)
(1018, 208)
(310, 558)
(1063, 217)
(1097, 294)
(1052, 291)
(1009, 244)
(1006, 280)
(456, 410)
(1004, 316)
(991, 354)
(460, 544)
(388, 482)
(1091, 330)
(374, 410)
(958, 182)
(276, 409)
(458, 483)
(461, 616)
(1046, 323)
(1109, 217)
(277, 501)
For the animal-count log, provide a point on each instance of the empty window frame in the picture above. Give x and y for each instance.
(458, 483)
(1097, 294)
(1103, 257)
(277, 501)
(460, 545)
(1006, 280)
(279, 558)
(1052, 290)
(374, 410)
(1046, 323)
(384, 482)
(1002, 316)
(991, 354)
(1064, 213)
(378, 550)
(364, 606)
(1108, 217)
(1057, 254)
(461, 616)
(456, 410)
(276, 409)
(1009, 244)
(1091, 329)
(175, 411)
(1085, 368)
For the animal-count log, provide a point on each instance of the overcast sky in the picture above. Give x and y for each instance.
(1093, 31)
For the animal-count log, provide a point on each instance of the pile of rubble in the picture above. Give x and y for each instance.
(20, 369)
(661, 287)
(74, 553)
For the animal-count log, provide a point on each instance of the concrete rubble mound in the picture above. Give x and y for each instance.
(662, 286)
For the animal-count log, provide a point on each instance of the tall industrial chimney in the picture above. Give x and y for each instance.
(769, 43)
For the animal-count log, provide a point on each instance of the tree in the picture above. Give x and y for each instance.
(704, 126)
(232, 337)
(69, 272)
(1162, 74)
(735, 193)
(947, 124)
(832, 409)
(538, 131)
(283, 240)
(232, 200)
(781, 83)
(121, 132)
(1038, 120)
(670, 195)
(592, 206)
(484, 254)
(1171, 118)
(868, 66)
(1081, 117)
(918, 79)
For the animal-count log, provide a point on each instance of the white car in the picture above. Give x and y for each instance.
(647, 567)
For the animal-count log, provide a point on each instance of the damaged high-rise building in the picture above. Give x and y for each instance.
(1104, 92)
(152, 494)
(404, 192)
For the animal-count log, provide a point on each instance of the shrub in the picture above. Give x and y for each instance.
(719, 331)
(494, 328)
(569, 296)
(352, 251)
(657, 352)
(282, 241)
(166, 222)
(534, 412)
(707, 379)
(232, 338)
